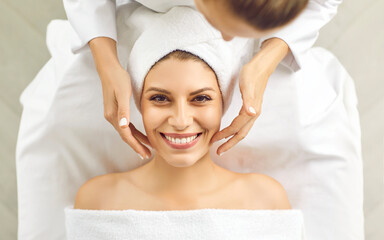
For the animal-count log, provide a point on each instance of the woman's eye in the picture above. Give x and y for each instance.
(159, 98)
(202, 99)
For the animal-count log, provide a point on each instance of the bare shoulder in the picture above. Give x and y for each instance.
(267, 190)
(95, 192)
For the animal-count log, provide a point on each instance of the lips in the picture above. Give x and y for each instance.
(181, 141)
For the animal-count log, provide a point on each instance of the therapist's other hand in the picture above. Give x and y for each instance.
(116, 94)
(117, 90)
(252, 85)
(253, 81)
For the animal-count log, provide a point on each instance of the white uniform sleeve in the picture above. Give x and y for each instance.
(91, 19)
(301, 34)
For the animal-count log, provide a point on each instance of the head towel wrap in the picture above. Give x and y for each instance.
(145, 36)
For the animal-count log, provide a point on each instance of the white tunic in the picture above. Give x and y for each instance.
(95, 18)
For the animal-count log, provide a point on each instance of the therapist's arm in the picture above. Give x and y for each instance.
(91, 19)
(116, 85)
(95, 23)
(253, 81)
(285, 46)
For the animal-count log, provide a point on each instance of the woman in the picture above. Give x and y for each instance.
(181, 105)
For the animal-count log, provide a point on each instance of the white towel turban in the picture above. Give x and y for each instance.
(145, 36)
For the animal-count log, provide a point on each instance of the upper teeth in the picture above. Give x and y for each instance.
(180, 140)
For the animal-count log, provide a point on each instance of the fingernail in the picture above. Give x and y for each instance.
(123, 122)
(141, 157)
(252, 110)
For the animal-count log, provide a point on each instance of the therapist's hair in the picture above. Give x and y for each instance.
(267, 14)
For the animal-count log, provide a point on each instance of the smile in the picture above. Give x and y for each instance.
(181, 141)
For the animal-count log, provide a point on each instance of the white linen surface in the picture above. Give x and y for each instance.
(200, 224)
(307, 137)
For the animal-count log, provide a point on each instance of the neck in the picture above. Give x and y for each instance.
(191, 181)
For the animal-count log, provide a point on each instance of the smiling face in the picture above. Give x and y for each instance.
(181, 105)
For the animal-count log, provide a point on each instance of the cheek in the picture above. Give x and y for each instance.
(210, 119)
(153, 118)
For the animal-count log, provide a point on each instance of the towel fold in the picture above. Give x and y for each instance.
(200, 224)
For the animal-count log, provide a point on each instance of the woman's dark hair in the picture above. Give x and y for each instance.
(266, 14)
(183, 56)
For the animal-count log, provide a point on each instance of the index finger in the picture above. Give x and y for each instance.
(241, 120)
(235, 139)
(133, 142)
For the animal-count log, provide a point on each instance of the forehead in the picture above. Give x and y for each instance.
(180, 76)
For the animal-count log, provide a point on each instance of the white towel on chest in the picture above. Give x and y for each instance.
(200, 224)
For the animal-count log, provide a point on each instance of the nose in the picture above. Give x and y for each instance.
(181, 117)
(226, 37)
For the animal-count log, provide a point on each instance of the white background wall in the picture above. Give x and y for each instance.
(355, 36)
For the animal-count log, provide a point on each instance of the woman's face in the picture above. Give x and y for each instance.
(181, 106)
(226, 22)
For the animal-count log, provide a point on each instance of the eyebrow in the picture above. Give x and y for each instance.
(157, 90)
(167, 92)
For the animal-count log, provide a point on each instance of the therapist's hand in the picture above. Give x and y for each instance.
(116, 84)
(253, 81)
